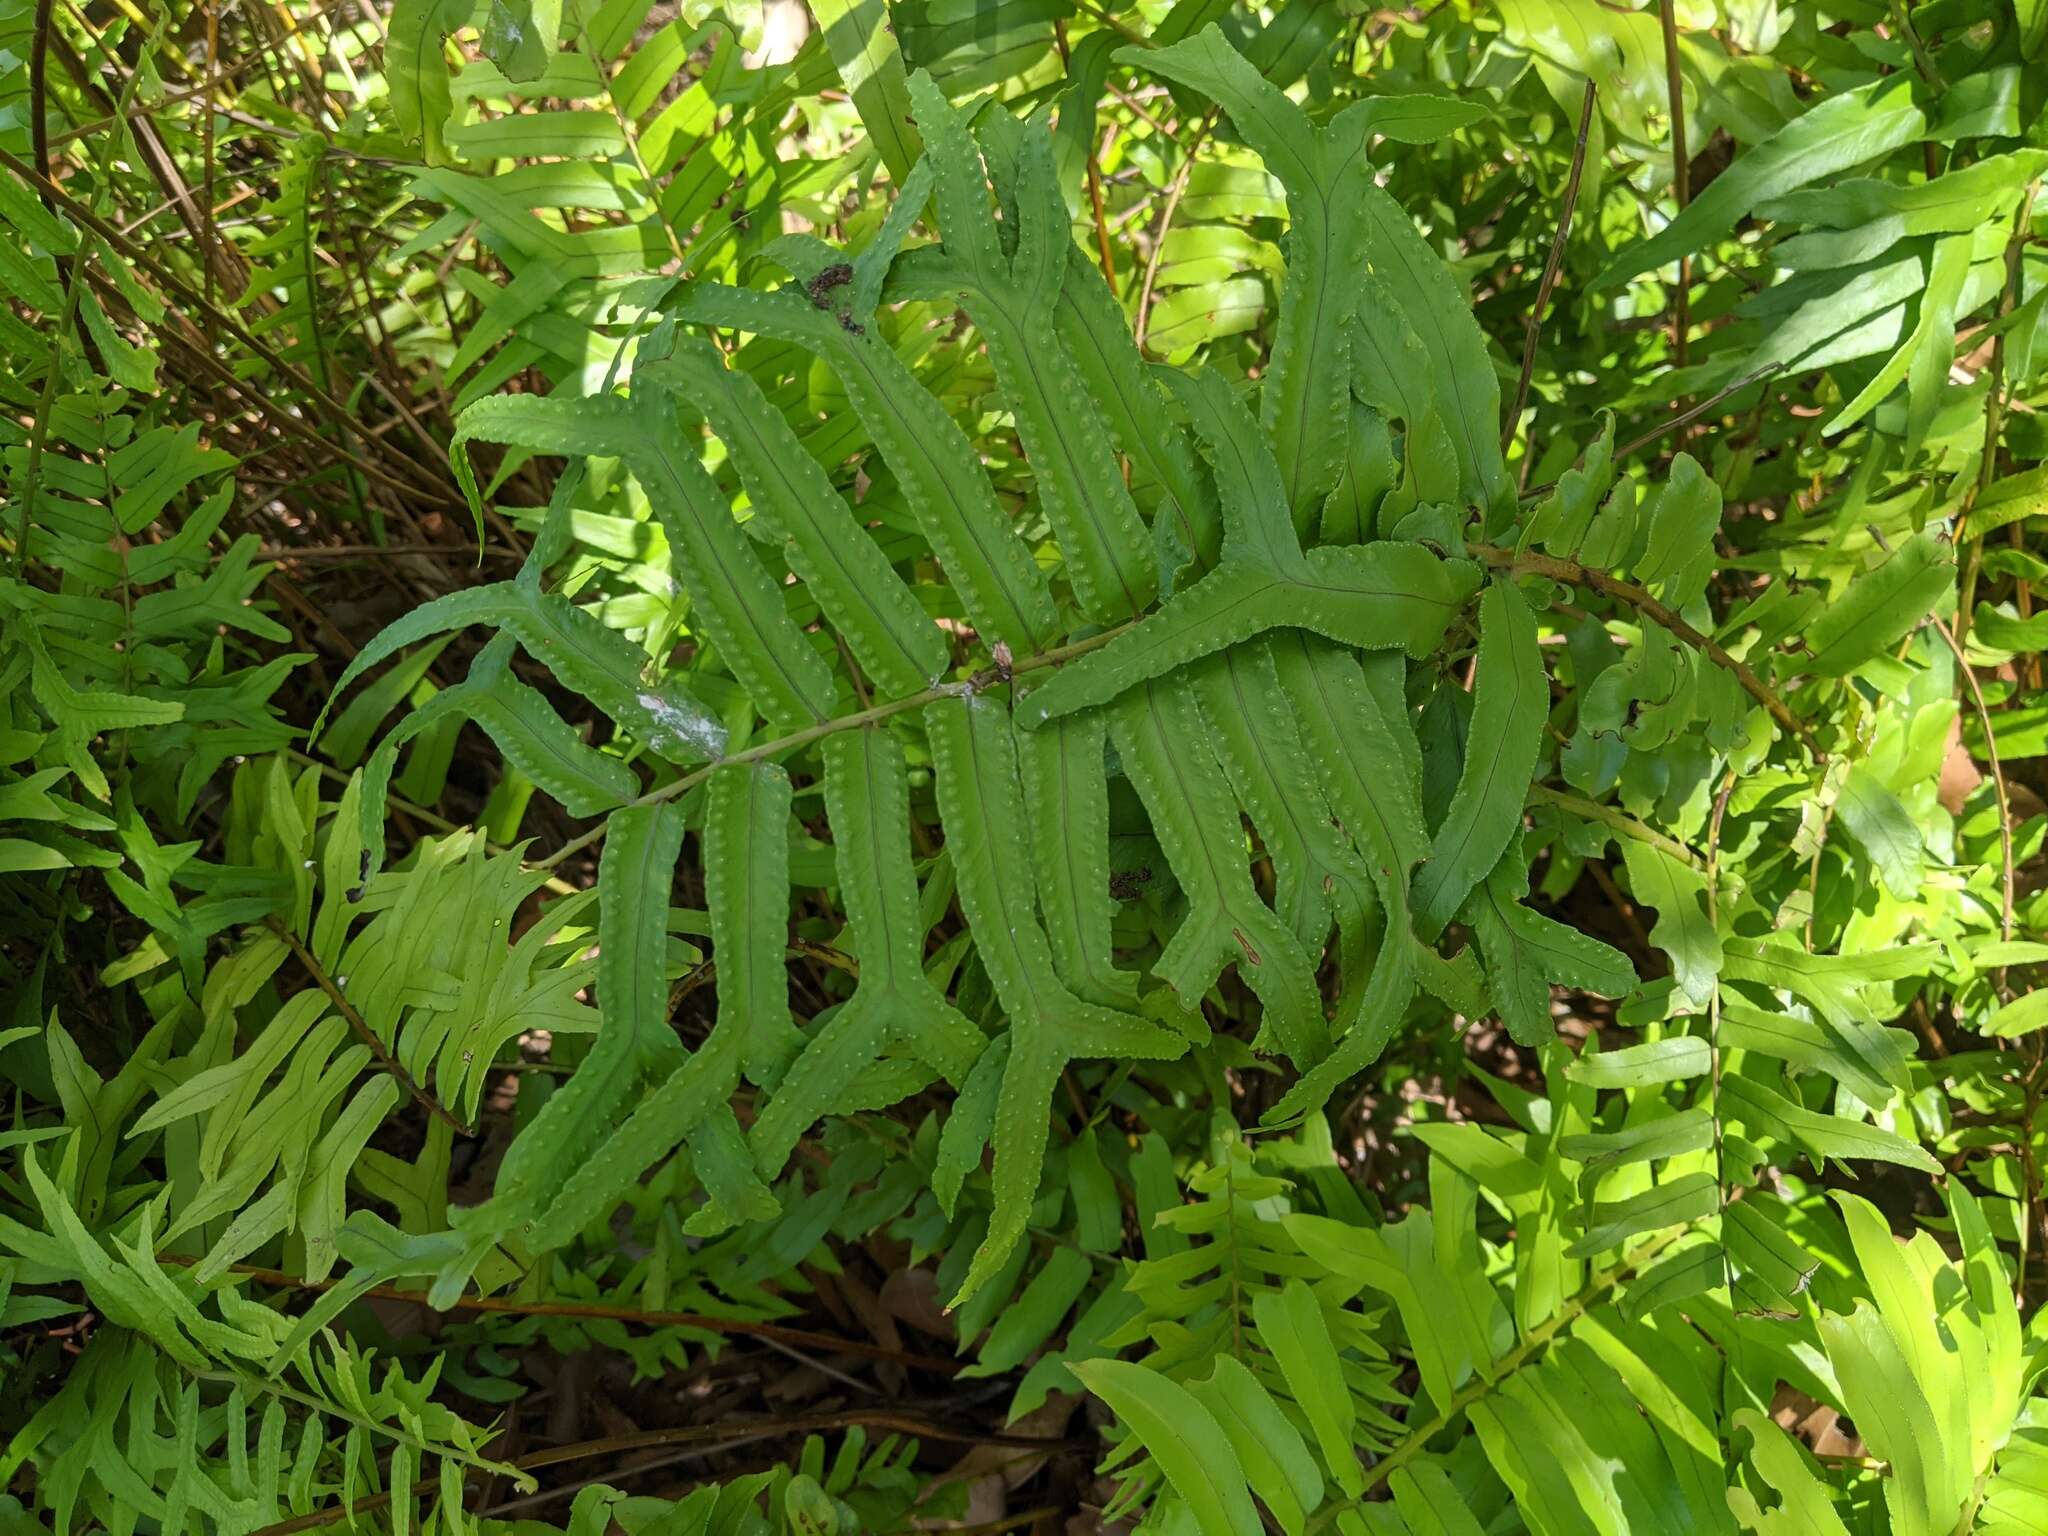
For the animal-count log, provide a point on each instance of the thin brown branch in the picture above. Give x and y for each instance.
(1551, 268)
(826, 1343)
(1998, 786)
(1994, 411)
(700, 1434)
(361, 1026)
(284, 553)
(1713, 894)
(1681, 176)
(1616, 818)
(1094, 174)
(1684, 418)
(1693, 413)
(1604, 582)
(1173, 197)
(428, 482)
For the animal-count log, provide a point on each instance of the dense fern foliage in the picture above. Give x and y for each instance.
(1029, 765)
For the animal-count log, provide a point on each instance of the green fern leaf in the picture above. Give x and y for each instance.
(1000, 587)
(632, 987)
(1158, 735)
(746, 881)
(975, 754)
(1009, 298)
(1513, 702)
(1067, 794)
(839, 564)
(894, 1007)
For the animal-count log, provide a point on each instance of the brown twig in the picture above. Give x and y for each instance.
(208, 215)
(689, 1434)
(278, 554)
(1994, 411)
(428, 482)
(1998, 786)
(1173, 197)
(1094, 168)
(1693, 413)
(1684, 418)
(39, 98)
(826, 1343)
(1616, 818)
(1681, 175)
(360, 1025)
(1574, 574)
(1714, 1023)
(1551, 268)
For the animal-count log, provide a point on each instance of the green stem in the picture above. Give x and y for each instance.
(1616, 818)
(1506, 1366)
(39, 428)
(254, 1385)
(980, 682)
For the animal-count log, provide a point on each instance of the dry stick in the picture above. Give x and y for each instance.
(1691, 414)
(2028, 1166)
(1681, 174)
(1550, 269)
(1955, 648)
(1137, 109)
(395, 396)
(278, 553)
(719, 1447)
(208, 215)
(39, 97)
(1059, 34)
(2029, 1170)
(162, 166)
(39, 427)
(2005, 916)
(895, 1422)
(1095, 154)
(1994, 410)
(1173, 196)
(361, 1026)
(281, 417)
(981, 681)
(826, 1343)
(1574, 574)
(213, 82)
(428, 485)
(1684, 418)
(527, 1501)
